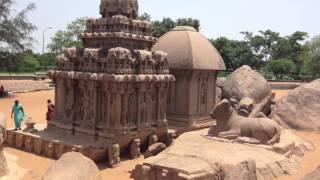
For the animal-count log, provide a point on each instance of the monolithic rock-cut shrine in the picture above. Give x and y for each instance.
(110, 96)
(194, 62)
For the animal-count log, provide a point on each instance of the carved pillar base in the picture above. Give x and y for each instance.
(135, 149)
(114, 155)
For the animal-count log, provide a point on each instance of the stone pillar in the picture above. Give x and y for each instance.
(80, 102)
(59, 99)
(69, 86)
(115, 106)
(90, 97)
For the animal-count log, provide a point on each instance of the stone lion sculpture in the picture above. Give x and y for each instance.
(231, 125)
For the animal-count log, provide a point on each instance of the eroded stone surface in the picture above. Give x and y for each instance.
(73, 166)
(247, 83)
(244, 171)
(195, 155)
(155, 149)
(314, 175)
(300, 109)
(4, 169)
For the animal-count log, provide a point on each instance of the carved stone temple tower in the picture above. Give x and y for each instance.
(114, 90)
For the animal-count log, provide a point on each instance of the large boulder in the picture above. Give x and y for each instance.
(73, 166)
(314, 175)
(194, 156)
(247, 83)
(4, 170)
(300, 109)
(244, 171)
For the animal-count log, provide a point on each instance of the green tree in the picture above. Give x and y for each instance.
(15, 28)
(314, 46)
(47, 59)
(69, 37)
(189, 22)
(281, 66)
(29, 63)
(263, 43)
(160, 27)
(271, 46)
(144, 17)
(236, 53)
(59, 41)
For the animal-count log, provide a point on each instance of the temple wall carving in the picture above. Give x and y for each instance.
(191, 98)
(115, 89)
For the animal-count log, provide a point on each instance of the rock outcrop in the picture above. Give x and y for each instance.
(314, 175)
(300, 109)
(247, 83)
(196, 156)
(4, 170)
(155, 149)
(73, 166)
(244, 171)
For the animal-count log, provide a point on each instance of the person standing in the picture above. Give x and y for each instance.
(50, 112)
(18, 114)
(1, 90)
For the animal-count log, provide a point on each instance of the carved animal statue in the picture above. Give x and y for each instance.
(70, 52)
(245, 106)
(61, 60)
(160, 57)
(230, 125)
(91, 53)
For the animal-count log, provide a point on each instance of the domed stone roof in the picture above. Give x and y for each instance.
(188, 49)
(128, 8)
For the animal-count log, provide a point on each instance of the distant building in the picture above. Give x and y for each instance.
(195, 63)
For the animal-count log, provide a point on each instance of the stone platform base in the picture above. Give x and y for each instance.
(195, 156)
(53, 144)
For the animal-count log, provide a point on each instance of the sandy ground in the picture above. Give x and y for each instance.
(35, 106)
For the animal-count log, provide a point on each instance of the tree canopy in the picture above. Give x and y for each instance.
(15, 28)
(236, 53)
(314, 52)
(160, 27)
(68, 37)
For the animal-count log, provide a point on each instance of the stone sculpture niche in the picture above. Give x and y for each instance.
(231, 125)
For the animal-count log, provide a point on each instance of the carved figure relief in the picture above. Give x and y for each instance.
(80, 106)
(69, 103)
(89, 113)
(143, 107)
(132, 110)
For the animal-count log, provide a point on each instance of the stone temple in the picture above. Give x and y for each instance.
(195, 64)
(115, 88)
(110, 95)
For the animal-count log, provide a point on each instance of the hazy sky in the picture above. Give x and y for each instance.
(217, 17)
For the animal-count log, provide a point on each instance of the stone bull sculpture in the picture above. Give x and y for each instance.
(231, 125)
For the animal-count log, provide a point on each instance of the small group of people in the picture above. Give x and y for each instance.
(18, 113)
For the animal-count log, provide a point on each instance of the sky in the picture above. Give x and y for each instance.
(217, 17)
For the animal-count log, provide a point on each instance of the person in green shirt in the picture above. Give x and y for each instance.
(18, 114)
